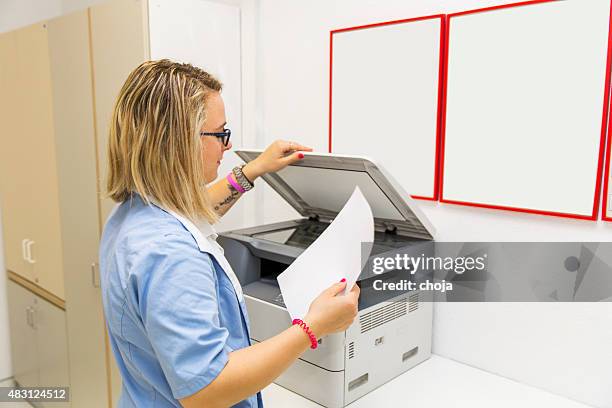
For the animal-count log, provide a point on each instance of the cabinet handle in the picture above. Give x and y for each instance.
(94, 279)
(29, 317)
(29, 252)
(24, 242)
(33, 318)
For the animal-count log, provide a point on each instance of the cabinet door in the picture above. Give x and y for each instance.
(42, 191)
(52, 346)
(76, 160)
(119, 43)
(23, 337)
(28, 176)
(16, 143)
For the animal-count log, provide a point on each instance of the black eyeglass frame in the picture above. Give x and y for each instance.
(224, 136)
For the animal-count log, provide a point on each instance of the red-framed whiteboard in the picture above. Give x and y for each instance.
(408, 146)
(451, 189)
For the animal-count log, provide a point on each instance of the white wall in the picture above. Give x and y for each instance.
(212, 40)
(562, 348)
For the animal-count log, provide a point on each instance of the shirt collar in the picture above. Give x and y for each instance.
(201, 231)
(207, 229)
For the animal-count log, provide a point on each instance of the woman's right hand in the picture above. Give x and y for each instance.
(331, 312)
(276, 157)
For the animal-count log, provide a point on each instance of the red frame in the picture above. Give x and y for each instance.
(442, 17)
(594, 215)
(607, 175)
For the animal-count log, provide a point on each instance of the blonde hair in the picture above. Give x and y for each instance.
(154, 148)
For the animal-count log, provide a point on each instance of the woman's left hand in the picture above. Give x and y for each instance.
(277, 156)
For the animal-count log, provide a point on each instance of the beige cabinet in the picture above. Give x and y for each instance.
(38, 341)
(23, 340)
(49, 322)
(41, 192)
(119, 43)
(49, 197)
(28, 177)
(75, 147)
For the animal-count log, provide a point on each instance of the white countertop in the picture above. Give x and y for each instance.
(439, 382)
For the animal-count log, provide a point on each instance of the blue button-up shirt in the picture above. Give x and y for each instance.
(173, 314)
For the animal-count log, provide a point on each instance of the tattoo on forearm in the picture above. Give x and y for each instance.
(229, 199)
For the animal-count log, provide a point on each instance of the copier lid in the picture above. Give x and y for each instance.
(319, 185)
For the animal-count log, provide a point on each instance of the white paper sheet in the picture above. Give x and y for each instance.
(336, 254)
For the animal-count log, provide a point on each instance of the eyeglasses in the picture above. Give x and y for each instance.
(224, 136)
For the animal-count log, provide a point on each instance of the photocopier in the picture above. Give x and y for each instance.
(392, 331)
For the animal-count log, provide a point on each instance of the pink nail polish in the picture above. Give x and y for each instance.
(343, 280)
(301, 155)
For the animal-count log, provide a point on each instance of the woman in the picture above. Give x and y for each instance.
(176, 317)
